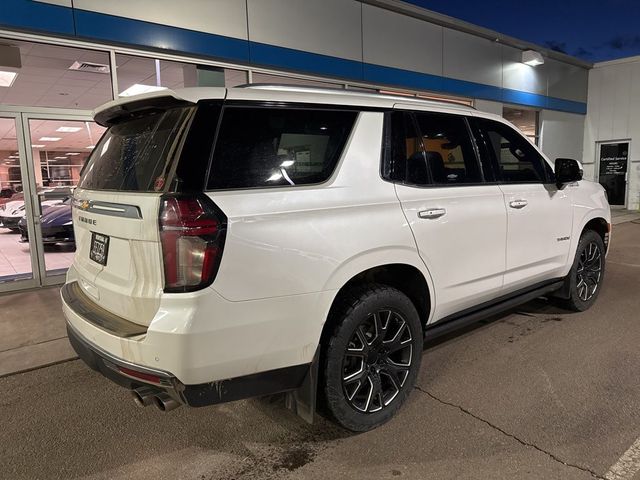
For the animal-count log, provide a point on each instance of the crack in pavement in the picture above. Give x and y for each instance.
(510, 435)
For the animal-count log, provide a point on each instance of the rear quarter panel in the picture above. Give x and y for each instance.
(292, 241)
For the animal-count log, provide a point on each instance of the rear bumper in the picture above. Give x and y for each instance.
(131, 376)
(96, 335)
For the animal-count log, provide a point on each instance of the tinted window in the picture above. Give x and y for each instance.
(261, 147)
(136, 154)
(517, 160)
(409, 164)
(449, 152)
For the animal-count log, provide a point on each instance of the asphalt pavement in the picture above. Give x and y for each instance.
(535, 393)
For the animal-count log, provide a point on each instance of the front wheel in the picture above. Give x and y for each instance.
(372, 358)
(587, 272)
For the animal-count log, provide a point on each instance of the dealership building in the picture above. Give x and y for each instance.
(60, 59)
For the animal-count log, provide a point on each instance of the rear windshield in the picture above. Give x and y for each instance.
(137, 154)
(266, 146)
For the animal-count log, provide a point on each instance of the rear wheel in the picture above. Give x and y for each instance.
(587, 272)
(373, 357)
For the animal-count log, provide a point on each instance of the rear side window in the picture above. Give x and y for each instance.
(517, 160)
(137, 154)
(266, 147)
(450, 156)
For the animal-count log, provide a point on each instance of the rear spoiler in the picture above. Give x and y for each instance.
(118, 110)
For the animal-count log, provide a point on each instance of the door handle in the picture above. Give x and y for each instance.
(432, 213)
(518, 203)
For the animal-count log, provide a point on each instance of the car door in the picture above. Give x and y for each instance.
(539, 214)
(458, 220)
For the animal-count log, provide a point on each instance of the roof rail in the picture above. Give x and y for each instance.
(341, 91)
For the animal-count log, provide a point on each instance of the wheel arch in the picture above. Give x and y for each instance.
(601, 227)
(405, 277)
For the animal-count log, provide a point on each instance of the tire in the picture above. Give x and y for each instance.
(587, 272)
(372, 357)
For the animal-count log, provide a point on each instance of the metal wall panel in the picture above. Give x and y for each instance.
(518, 76)
(566, 81)
(561, 134)
(222, 17)
(329, 27)
(613, 114)
(395, 40)
(471, 58)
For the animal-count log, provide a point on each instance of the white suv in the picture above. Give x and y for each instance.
(248, 241)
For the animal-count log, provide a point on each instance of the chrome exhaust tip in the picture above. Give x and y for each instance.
(143, 396)
(164, 402)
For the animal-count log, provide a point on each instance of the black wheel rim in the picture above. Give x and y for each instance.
(589, 271)
(377, 361)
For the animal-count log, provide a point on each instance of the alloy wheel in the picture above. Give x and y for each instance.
(377, 361)
(589, 271)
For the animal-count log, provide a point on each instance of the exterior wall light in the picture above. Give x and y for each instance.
(532, 58)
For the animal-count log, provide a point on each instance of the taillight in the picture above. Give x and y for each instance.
(192, 232)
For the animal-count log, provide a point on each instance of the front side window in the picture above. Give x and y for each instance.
(517, 160)
(449, 152)
(264, 147)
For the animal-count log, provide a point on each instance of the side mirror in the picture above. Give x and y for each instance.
(567, 171)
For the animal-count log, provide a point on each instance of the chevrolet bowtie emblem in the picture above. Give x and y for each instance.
(84, 205)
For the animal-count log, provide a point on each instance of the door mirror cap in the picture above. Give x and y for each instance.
(567, 170)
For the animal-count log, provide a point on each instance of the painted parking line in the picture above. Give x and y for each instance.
(628, 464)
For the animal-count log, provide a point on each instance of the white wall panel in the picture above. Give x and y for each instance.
(518, 76)
(566, 81)
(467, 57)
(222, 17)
(561, 134)
(62, 3)
(396, 40)
(328, 27)
(613, 113)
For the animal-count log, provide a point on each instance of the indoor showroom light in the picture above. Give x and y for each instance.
(139, 88)
(532, 58)
(68, 129)
(37, 146)
(49, 139)
(7, 78)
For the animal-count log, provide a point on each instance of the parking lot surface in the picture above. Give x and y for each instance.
(537, 392)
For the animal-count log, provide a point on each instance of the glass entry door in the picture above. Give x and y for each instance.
(41, 157)
(16, 263)
(57, 149)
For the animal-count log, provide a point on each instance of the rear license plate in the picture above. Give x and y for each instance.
(99, 248)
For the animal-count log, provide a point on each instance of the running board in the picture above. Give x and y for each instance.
(475, 314)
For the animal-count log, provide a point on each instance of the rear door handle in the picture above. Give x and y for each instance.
(432, 213)
(518, 203)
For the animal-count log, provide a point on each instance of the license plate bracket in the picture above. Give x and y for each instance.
(99, 248)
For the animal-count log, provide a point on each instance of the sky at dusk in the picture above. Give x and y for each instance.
(588, 29)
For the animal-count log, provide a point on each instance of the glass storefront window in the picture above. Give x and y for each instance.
(55, 76)
(140, 74)
(525, 120)
(279, 80)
